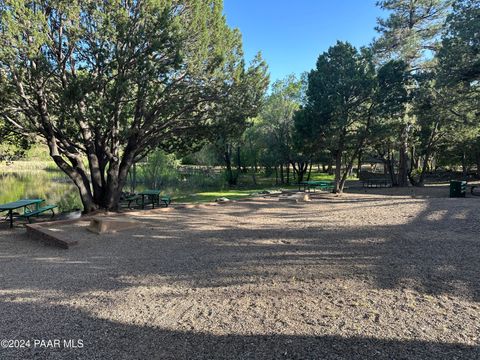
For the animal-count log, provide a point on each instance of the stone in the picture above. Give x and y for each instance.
(106, 225)
(301, 197)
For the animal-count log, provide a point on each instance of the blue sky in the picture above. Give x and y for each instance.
(291, 34)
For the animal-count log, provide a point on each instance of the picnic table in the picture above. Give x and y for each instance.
(322, 185)
(154, 196)
(24, 203)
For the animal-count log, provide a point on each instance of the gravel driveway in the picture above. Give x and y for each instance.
(362, 276)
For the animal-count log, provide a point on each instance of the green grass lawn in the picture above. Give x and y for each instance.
(210, 196)
(246, 188)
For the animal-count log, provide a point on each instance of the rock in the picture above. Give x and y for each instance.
(222, 199)
(104, 225)
(301, 197)
(270, 192)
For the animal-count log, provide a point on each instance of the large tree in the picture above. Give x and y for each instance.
(235, 112)
(457, 84)
(277, 119)
(411, 33)
(339, 104)
(106, 82)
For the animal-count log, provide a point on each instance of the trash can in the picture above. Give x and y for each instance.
(458, 188)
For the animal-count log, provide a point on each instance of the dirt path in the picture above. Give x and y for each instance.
(362, 276)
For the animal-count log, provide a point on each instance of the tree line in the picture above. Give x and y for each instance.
(410, 100)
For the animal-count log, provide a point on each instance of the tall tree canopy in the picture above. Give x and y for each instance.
(412, 28)
(459, 56)
(106, 82)
(411, 32)
(339, 103)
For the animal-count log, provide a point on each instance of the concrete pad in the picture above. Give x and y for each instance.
(106, 225)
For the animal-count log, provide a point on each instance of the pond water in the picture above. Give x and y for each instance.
(52, 185)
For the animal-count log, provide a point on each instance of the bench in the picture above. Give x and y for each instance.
(28, 214)
(472, 190)
(131, 199)
(378, 182)
(166, 200)
(374, 180)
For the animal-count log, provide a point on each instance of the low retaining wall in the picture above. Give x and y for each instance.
(46, 233)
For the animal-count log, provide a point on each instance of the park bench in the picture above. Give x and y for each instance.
(28, 214)
(322, 185)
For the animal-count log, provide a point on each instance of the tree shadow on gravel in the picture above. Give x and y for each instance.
(103, 339)
(436, 251)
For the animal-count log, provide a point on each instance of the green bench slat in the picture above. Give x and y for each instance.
(38, 211)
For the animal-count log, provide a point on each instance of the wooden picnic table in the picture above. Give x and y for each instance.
(24, 203)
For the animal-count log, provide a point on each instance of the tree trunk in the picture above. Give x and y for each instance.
(421, 179)
(228, 162)
(403, 160)
(239, 160)
(338, 170)
(359, 163)
(300, 169)
(288, 173)
(477, 158)
(330, 166)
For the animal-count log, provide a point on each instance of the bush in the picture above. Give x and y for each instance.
(159, 170)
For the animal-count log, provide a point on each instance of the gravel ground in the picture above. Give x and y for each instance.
(379, 274)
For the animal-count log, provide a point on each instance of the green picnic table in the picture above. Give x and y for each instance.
(322, 184)
(154, 195)
(24, 203)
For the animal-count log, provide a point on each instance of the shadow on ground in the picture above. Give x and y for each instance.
(104, 339)
(435, 250)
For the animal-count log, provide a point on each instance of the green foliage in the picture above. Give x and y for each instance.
(236, 110)
(113, 81)
(339, 103)
(411, 30)
(277, 119)
(159, 170)
(459, 57)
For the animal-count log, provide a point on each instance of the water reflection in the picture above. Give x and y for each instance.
(51, 185)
